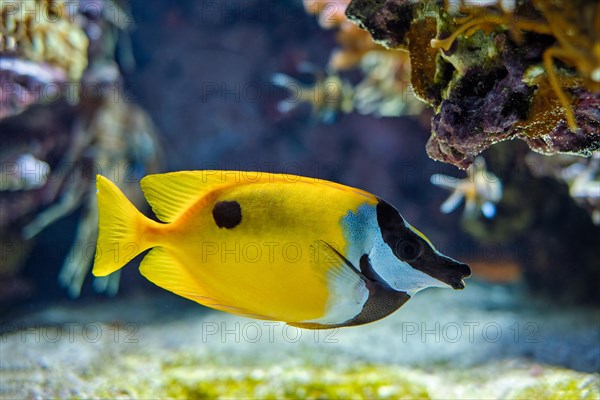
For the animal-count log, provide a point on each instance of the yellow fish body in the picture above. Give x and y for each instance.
(312, 253)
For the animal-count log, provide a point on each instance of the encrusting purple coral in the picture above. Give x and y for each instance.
(488, 76)
(562, 140)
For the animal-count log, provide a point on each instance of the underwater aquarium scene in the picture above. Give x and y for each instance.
(300, 199)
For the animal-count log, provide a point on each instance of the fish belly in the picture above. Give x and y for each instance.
(268, 277)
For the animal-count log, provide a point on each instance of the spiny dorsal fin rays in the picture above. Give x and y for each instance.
(172, 194)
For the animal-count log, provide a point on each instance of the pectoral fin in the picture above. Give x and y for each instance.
(346, 286)
(333, 267)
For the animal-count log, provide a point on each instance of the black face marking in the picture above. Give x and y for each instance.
(443, 268)
(227, 214)
(401, 240)
(404, 243)
(389, 219)
(382, 300)
(367, 270)
(381, 303)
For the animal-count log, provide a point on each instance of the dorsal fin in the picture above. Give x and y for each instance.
(172, 193)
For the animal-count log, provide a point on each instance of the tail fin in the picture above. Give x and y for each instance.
(120, 227)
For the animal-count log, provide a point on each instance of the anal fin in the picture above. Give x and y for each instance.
(163, 269)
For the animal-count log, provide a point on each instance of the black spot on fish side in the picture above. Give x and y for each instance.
(227, 214)
(390, 223)
(367, 270)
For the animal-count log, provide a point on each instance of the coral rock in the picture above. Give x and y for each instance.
(487, 76)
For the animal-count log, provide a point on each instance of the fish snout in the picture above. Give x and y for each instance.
(444, 269)
(460, 271)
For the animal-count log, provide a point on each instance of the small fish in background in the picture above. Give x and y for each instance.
(312, 253)
(580, 174)
(385, 90)
(329, 96)
(25, 173)
(481, 190)
(65, 111)
(583, 178)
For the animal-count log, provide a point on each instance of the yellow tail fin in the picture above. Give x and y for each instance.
(120, 229)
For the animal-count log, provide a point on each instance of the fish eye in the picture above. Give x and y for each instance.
(409, 249)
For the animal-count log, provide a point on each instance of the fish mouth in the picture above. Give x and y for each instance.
(459, 285)
(444, 269)
(464, 271)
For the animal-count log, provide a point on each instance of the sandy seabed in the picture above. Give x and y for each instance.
(483, 342)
